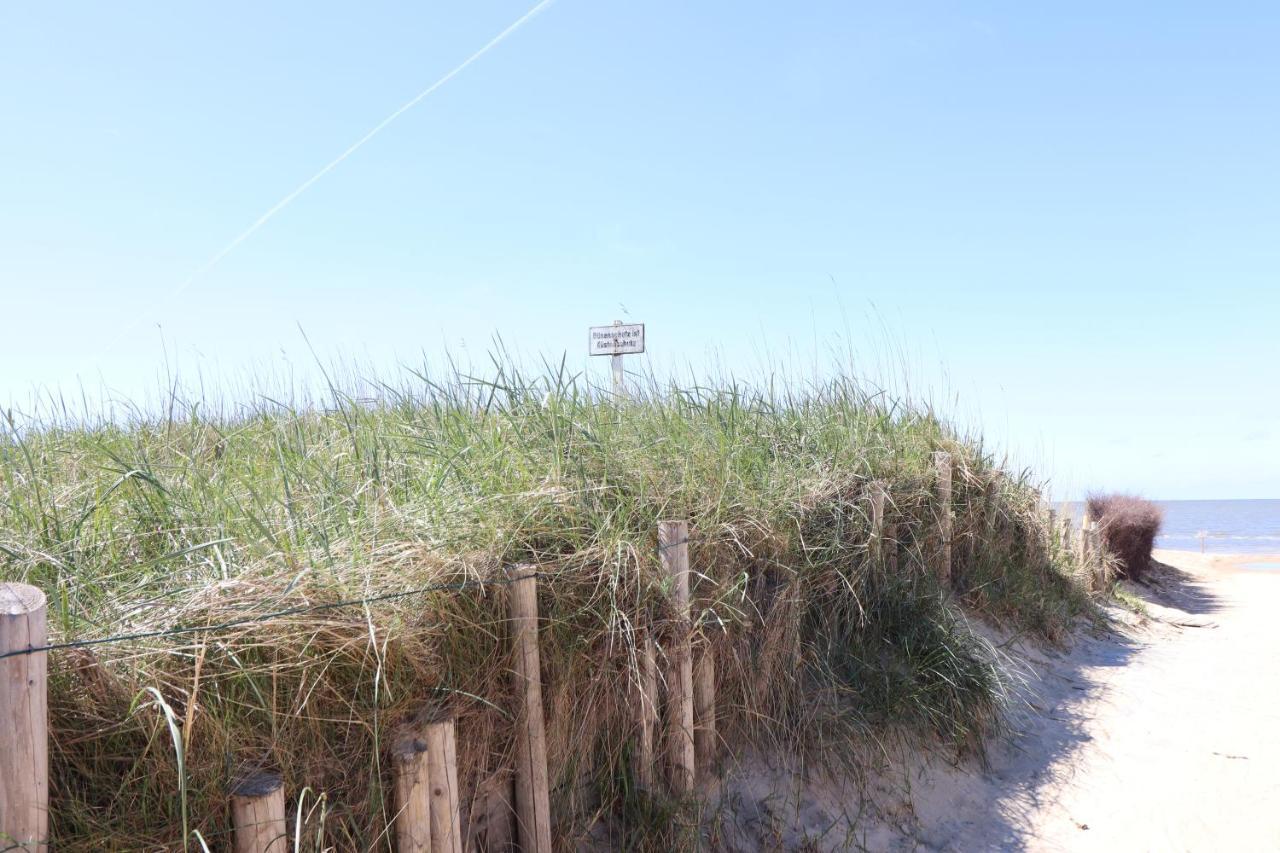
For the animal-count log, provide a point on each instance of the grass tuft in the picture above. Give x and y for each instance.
(1128, 526)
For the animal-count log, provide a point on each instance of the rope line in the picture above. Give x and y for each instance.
(266, 617)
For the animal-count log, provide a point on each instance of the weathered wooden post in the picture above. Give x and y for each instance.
(648, 712)
(533, 799)
(942, 466)
(1086, 523)
(24, 719)
(413, 801)
(673, 545)
(257, 811)
(876, 543)
(442, 776)
(704, 711)
(1099, 551)
(497, 824)
(1067, 545)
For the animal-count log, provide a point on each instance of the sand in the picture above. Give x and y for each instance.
(1162, 734)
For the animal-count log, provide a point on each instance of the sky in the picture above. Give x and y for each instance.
(1061, 220)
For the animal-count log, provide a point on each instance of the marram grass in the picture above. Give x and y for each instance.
(193, 519)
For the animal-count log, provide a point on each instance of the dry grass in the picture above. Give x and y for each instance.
(1128, 526)
(195, 518)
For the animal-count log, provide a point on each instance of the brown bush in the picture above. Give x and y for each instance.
(1128, 525)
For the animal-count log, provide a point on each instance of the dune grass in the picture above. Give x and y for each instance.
(194, 518)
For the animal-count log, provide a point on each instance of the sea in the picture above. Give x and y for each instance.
(1220, 527)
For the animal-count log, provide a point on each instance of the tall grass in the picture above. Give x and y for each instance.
(191, 517)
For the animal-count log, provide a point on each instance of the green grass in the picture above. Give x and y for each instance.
(196, 517)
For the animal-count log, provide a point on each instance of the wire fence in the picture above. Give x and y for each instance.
(457, 586)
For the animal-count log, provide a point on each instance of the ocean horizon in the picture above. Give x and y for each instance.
(1250, 526)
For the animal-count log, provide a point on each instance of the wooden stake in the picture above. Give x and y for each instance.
(257, 811)
(497, 825)
(442, 777)
(705, 745)
(413, 801)
(1067, 544)
(24, 720)
(891, 545)
(942, 465)
(673, 546)
(647, 712)
(533, 808)
(878, 496)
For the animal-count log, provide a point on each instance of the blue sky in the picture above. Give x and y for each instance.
(1066, 220)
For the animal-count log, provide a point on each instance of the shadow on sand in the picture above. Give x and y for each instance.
(991, 808)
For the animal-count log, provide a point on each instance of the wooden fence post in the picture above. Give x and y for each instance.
(648, 712)
(1085, 524)
(877, 522)
(533, 806)
(673, 546)
(413, 801)
(493, 830)
(704, 711)
(257, 811)
(24, 719)
(1067, 545)
(442, 774)
(942, 465)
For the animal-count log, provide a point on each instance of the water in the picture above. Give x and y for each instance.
(1233, 527)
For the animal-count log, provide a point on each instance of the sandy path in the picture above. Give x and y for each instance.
(1160, 734)
(1167, 738)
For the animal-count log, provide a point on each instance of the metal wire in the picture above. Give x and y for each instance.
(266, 617)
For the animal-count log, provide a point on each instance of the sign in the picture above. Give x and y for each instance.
(617, 339)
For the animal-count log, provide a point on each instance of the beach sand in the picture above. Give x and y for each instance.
(1161, 733)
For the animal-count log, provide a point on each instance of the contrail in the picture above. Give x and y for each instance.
(356, 146)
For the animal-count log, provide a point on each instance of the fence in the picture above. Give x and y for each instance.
(424, 762)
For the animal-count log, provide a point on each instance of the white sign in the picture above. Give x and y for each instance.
(617, 340)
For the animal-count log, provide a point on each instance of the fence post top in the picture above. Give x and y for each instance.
(257, 784)
(19, 599)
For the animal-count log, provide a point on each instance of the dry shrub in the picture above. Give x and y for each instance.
(1128, 525)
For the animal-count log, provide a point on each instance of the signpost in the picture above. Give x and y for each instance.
(617, 340)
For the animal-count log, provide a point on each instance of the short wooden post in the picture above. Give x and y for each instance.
(1053, 522)
(1099, 555)
(647, 701)
(496, 796)
(442, 779)
(891, 546)
(413, 802)
(673, 546)
(533, 799)
(704, 712)
(877, 522)
(1067, 545)
(1085, 523)
(24, 719)
(257, 811)
(942, 466)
